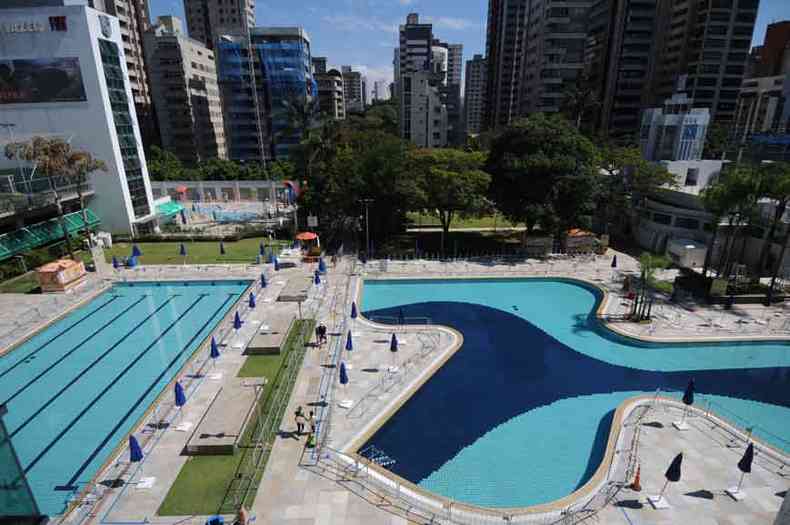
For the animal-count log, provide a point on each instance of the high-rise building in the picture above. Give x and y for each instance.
(426, 118)
(319, 65)
(395, 72)
(72, 81)
(676, 131)
(709, 41)
(207, 20)
(763, 107)
(133, 18)
(381, 90)
(505, 53)
(185, 93)
(619, 59)
(450, 91)
(554, 53)
(354, 87)
(455, 63)
(255, 92)
(773, 57)
(331, 96)
(475, 94)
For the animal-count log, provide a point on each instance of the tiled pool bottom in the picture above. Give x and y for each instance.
(517, 418)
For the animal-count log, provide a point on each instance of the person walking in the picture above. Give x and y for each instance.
(311, 422)
(299, 418)
(322, 328)
(318, 335)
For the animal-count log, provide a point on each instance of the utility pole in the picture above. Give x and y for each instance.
(367, 202)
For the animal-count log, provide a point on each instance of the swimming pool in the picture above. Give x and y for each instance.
(76, 388)
(520, 415)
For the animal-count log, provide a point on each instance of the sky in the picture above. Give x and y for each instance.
(363, 33)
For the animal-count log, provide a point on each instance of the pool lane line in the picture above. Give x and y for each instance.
(51, 339)
(70, 484)
(110, 385)
(85, 370)
(74, 349)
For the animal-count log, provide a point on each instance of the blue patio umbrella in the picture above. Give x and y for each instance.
(252, 300)
(181, 398)
(270, 257)
(317, 279)
(688, 395)
(673, 472)
(321, 265)
(354, 313)
(394, 343)
(115, 263)
(263, 281)
(261, 249)
(194, 208)
(135, 451)
(182, 250)
(349, 342)
(343, 374)
(237, 321)
(276, 265)
(183, 216)
(214, 349)
(614, 261)
(136, 251)
(745, 466)
(131, 262)
(221, 248)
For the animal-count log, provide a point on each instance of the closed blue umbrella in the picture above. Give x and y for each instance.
(182, 250)
(252, 300)
(237, 321)
(321, 265)
(131, 262)
(317, 279)
(614, 261)
(135, 451)
(354, 310)
(270, 257)
(221, 248)
(745, 466)
(672, 475)
(276, 265)
(261, 249)
(181, 398)
(136, 251)
(263, 281)
(688, 395)
(394, 343)
(183, 216)
(214, 348)
(343, 374)
(349, 342)
(115, 263)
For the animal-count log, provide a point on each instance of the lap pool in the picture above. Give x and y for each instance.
(520, 415)
(76, 388)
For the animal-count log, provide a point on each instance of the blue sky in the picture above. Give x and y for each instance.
(363, 33)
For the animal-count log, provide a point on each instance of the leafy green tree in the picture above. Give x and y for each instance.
(580, 99)
(716, 200)
(164, 165)
(544, 171)
(81, 165)
(717, 141)
(452, 183)
(775, 185)
(648, 265)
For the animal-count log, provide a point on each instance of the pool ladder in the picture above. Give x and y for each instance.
(377, 456)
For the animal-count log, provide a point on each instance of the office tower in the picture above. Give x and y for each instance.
(185, 93)
(709, 41)
(455, 63)
(450, 91)
(554, 53)
(207, 20)
(396, 72)
(255, 92)
(675, 131)
(381, 90)
(74, 85)
(331, 96)
(319, 65)
(763, 107)
(354, 87)
(619, 60)
(773, 57)
(505, 51)
(475, 94)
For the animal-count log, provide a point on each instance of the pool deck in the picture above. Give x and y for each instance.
(296, 489)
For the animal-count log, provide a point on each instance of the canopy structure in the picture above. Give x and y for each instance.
(43, 233)
(181, 189)
(169, 209)
(306, 236)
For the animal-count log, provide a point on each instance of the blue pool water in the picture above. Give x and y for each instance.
(520, 415)
(75, 389)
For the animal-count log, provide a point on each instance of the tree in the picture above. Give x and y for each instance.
(452, 183)
(50, 156)
(775, 185)
(716, 200)
(579, 100)
(164, 165)
(544, 171)
(81, 165)
(717, 141)
(643, 303)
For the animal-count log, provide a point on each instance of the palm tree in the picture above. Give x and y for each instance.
(715, 199)
(51, 157)
(775, 186)
(579, 99)
(81, 165)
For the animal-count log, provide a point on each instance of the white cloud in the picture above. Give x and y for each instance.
(405, 2)
(355, 23)
(374, 73)
(451, 23)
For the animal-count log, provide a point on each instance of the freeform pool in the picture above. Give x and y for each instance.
(76, 388)
(521, 413)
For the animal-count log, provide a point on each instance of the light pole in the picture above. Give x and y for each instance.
(367, 202)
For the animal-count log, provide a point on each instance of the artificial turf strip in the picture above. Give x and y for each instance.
(244, 251)
(202, 484)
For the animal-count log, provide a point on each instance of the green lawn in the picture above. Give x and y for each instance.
(200, 252)
(430, 221)
(202, 484)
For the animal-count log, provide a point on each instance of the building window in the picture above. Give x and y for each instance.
(662, 218)
(57, 23)
(689, 224)
(692, 176)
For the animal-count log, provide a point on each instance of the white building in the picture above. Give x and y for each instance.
(426, 117)
(675, 131)
(381, 90)
(64, 74)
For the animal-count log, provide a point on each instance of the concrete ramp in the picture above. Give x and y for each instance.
(295, 290)
(271, 335)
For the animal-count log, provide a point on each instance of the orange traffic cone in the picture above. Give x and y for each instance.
(636, 486)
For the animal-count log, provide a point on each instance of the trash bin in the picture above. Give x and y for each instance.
(215, 520)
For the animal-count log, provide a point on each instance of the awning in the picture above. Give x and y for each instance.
(43, 233)
(169, 209)
(181, 189)
(306, 236)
